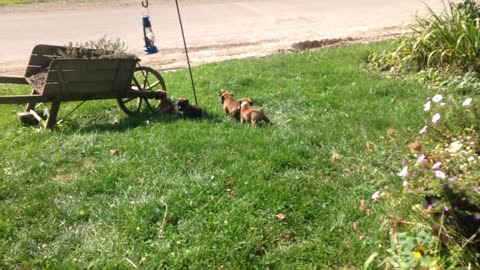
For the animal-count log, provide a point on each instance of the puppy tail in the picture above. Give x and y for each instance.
(265, 118)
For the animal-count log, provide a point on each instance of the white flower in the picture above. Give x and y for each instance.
(443, 104)
(435, 118)
(440, 174)
(404, 172)
(426, 106)
(405, 184)
(424, 129)
(437, 98)
(376, 196)
(437, 166)
(455, 146)
(467, 102)
(421, 160)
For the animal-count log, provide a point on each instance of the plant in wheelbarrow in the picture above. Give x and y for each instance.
(86, 71)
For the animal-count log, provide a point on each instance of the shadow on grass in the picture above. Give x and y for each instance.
(132, 122)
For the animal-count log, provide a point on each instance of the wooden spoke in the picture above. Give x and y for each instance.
(128, 100)
(151, 86)
(135, 81)
(139, 104)
(145, 79)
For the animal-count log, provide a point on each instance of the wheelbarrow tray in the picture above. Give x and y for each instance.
(74, 80)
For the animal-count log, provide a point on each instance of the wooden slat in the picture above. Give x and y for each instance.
(77, 89)
(35, 114)
(42, 49)
(124, 77)
(13, 80)
(32, 70)
(88, 76)
(40, 60)
(90, 64)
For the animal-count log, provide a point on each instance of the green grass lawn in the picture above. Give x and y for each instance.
(204, 194)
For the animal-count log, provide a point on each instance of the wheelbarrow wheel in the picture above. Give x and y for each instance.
(145, 79)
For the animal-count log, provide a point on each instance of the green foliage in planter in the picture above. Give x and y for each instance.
(97, 49)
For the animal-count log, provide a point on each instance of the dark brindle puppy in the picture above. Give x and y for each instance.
(187, 110)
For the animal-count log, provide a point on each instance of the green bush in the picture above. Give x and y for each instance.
(448, 41)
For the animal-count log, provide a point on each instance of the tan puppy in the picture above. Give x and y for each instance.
(248, 114)
(166, 104)
(246, 99)
(230, 105)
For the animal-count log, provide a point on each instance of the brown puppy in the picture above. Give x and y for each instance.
(166, 104)
(230, 105)
(248, 100)
(187, 110)
(248, 114)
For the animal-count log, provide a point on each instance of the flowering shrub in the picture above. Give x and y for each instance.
(440, 181)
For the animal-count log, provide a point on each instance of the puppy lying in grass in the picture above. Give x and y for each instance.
(248, 114)
(230, 105)
(187, 110)
(166, 104)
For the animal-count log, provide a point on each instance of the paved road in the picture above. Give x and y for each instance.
(215, 29)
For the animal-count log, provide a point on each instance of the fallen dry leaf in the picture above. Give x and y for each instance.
(391, 132)
(370, 146)
(415, 147)
(336, 157)
(114, 152)
(355, 226)
(230, 191)
(280, 216)
(362, 206)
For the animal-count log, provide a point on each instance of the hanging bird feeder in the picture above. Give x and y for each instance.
(148, 35)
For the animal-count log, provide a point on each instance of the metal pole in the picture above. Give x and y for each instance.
(186, 52)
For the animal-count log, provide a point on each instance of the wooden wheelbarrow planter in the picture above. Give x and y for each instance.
(133, 86)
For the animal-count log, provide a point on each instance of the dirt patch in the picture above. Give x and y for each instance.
(312, 44)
